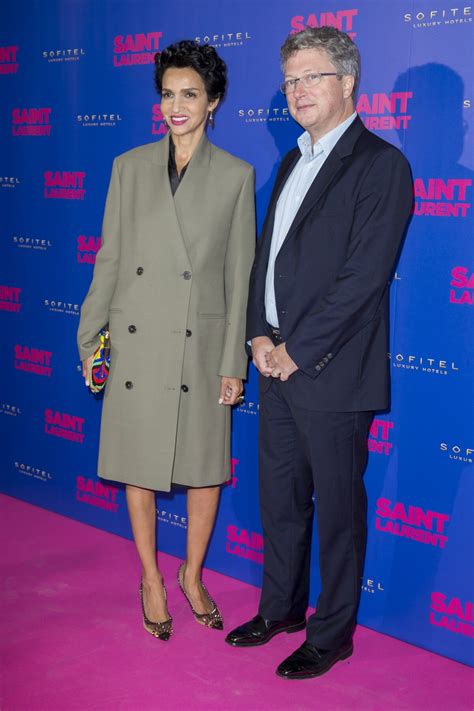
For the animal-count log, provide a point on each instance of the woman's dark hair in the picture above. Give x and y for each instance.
(202, 58)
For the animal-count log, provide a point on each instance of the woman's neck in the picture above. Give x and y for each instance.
(184, 147)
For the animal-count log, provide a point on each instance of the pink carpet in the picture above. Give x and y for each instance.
(71, 638)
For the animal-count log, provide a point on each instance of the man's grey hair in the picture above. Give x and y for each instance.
(339, 47)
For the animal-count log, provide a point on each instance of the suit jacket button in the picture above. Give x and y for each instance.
(140, 271)
(187, 275)
(188, 333)
(329, 355)
(318, 367)
(184, 388)
(132, 328)
(326, 359)
(129, 385)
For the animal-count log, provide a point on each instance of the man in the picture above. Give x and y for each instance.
(317, 321)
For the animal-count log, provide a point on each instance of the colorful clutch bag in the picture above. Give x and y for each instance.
(100, 363)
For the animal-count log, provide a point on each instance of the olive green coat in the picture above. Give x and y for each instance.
(171, 280)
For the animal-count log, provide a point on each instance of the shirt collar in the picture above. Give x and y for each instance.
(326, 143)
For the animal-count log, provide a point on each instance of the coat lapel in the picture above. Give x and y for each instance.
(164, 201)
(184, 200)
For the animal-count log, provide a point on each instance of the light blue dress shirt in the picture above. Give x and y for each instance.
(291, 197)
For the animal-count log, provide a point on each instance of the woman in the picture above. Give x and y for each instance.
(171, 281)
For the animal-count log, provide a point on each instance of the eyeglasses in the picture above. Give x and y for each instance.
(308, 80)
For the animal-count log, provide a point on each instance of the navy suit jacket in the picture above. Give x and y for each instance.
(332, 274)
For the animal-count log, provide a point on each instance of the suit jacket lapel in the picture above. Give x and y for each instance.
(330, 168)
(320, 184)
(280, 181)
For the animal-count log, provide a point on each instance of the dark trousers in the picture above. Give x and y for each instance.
(304, 452)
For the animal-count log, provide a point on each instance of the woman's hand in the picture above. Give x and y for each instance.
(231, 389)
(86, 369)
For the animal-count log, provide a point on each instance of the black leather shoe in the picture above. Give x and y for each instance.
(308, 661)
(260, 631)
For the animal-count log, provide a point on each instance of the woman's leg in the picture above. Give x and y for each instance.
(142, 512)
(202, 507)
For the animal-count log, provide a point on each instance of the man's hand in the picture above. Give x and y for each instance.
(261, 347)
(86, 369)
(231, 389)
(280, 363)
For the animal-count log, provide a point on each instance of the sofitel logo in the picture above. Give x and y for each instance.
(260, 114)
(62, 307)
(383, 112)
(31, 122)
(248, 408)
(452, 614)
(32, 360)
(435, 18)
(441, 198)
(172, 518)
(379, 437)
(33, 472)
(342, 19)
(8, 63)
(224, 39)
(87, 248)
(463, 286)
(245, 544)
(422, 364)
(64, 55)
(158, 125)
(372, 586)
(31, 243)
(9, 181)
(10, 298)
(413, 522)
(64, 185)
(94, 120)
(94, 493)
(64, 425)
(130, 49)
(7, 409)
(457, 453)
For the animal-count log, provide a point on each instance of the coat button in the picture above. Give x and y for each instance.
(329, 355)
(318, 367)
(132, 328)
(140, 271)
(187, 275)
(184, 388)
(188, 333)
(129, 385)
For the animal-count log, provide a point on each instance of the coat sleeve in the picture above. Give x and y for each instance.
(95, 308)
(238, 262)
(383, 208)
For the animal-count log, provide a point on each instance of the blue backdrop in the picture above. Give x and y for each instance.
(77, 89)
